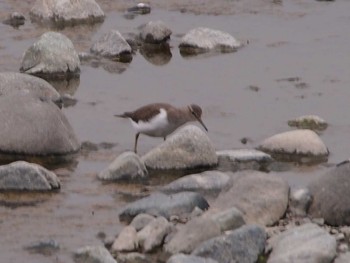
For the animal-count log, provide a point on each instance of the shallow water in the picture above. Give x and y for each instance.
(295, 62)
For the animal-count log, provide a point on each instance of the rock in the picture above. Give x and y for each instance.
(126, 240)
(152, 235)
(112, 45)
(126, 167)
(52, 57)
(242, 245)
(299, 201)
(311, 122)
(93, 254)
(331, 196)
(343, 258)
(27, 176)
(15, 19)
(261, 197)
(155, 32)
(188, 148)
(141, 220)
(211, 182)
(44, 247)
(47, 131)
(140, 8)
(228, 219)
(159, 204)
(308, 243)
(67, 12)
(133, 257)
(181, 258)
(13, 83)
(201, 40)
(298, 145)
(190, 235)
(243, 159)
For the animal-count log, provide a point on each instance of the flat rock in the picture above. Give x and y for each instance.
(298, 145)
(261, 197)
(126, 167)
(182, 258)
(207, 182)
(52, 56)
(312, 122)
(93, 254)
(113, 45)
(243, 245)
(155, 32)
(126, 240)
(243, 159)
(67, 12)
(12, 83)
(331, 196)
(201, 40)
(47, 131)
(308, 243)
(188, 148)
(159, 204)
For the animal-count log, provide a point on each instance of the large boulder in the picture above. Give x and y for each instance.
(67, 12)
(52, 57)
(22, 84)
(331, 196)
(27, 176)
(33, 126)
(298, 145)
(308, 243)
(188, 148)
(261, 197)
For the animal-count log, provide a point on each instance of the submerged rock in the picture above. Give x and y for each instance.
(188, 148)
(44, 247)
(331, 198)
(112, 45)
(298, 145)
(201, 40)
(66, 12)
(164, 205)
(15, 19)
(140, 8)
(155, 32)
(308, 243)
(93, 254)
(126, 167)
(311, 122)
(52, 57)
(27, 176)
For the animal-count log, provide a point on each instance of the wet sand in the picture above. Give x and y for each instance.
(295, 63)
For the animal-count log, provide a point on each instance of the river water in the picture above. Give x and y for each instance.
(295, 62)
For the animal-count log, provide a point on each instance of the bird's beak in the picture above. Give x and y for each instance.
(201, 122)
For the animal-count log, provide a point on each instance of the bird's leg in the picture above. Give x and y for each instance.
(136, 138)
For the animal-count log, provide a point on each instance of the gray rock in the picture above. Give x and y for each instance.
(152, 235)
(52, 56)
(200, 40)
(229, 219)
(126, 240)
(261, 197)
(308, 243)
(181, 258)
(127, 166)
(159, 204)
(190, 235)
(243, 159)
(343, 258)
(66, 12)
(299, 201)
(44, 247)
(243, 245)
(155, 32)
(141, 220)
(298, 145)
(112, 45)
(188, 148)
(93, 254)
(27, 176)
(311, 122)
(331, 196)
(47, 131)
(15, 19)
(206, 182)
(13, 83)
(140, 8)
(133, 257)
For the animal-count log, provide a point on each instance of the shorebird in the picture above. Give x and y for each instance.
(161, 119)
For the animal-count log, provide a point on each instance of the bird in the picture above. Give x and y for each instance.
(161, 119)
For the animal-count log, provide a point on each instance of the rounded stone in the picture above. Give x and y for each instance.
(155, 32)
